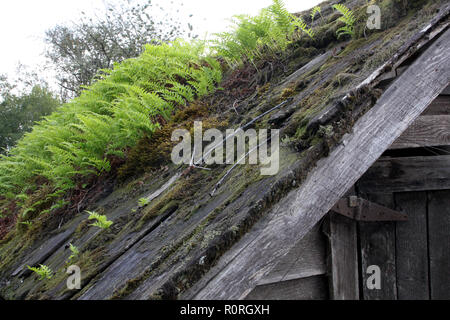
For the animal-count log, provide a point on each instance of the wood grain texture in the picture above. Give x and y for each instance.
(398, 107)
(407, 174)
(412, 247)
(377, 245)
(439, 243)
(311, 288)
(446, 91)
(426, 131)
(344, 283)
(306, 259)
(440, 106)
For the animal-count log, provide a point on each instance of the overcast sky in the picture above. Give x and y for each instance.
(23, 22)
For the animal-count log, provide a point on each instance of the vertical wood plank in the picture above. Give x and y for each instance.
(344, 258)
(377, 245)
(412, 247)
(439, 243)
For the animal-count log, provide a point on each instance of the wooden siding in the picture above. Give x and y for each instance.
(426, 131)
(407, 174)
(377, 245)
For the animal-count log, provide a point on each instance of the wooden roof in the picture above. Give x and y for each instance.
(221, 247)
(372, 134)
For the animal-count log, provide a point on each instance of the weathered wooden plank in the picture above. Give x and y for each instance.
(426, 131)
(360, 209)
(446, 91)
(412, 248)
(372, 134)
(311, 288)
(344, 283)
(440, 106)
(439, 243)
(407, 174)
(377, 244)
(306, 259)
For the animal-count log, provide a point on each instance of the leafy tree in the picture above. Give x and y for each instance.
(18, 112)
(80, 50)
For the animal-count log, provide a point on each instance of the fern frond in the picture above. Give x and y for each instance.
(348, 18)
(316, 10)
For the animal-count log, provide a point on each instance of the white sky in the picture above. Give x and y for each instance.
(24, 22)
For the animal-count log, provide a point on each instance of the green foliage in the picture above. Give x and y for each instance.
(102, 220)
(27, 223)
(316, 10)
(250, 37)
(143, 202)
(348, 18)
(75, 252)
(42, 271)
(110, 115)
(304, 27)
(18, 112)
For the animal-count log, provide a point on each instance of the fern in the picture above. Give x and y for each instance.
(316, 10)
(143, 202)
(75, 252)
(101, 220)
(27, 223)
(43, 271)
(122, 105)
(251, 37)
(282, 16)
(348, 18)
(304, 28)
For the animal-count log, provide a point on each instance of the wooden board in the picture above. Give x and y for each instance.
(407, 174)
(441, 105)
(377, 245)
(446, 91)
(426, 131)
(412, 248)
(238, 273)
(312, 288)
(344, 258)
(306, 259)
(439, 243)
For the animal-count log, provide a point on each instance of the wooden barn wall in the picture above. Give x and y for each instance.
(414, 256)
(331, 261)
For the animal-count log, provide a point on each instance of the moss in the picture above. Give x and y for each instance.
(183, 191)
(301, 56)
(342, 79)
(352, 46)
(198, 237)
(88, 261)
(263, 89)
(394, 10)
(155, 211)
(287, 93)
(151, 153)
(81, 228)
(319, 142)
(300, 133)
